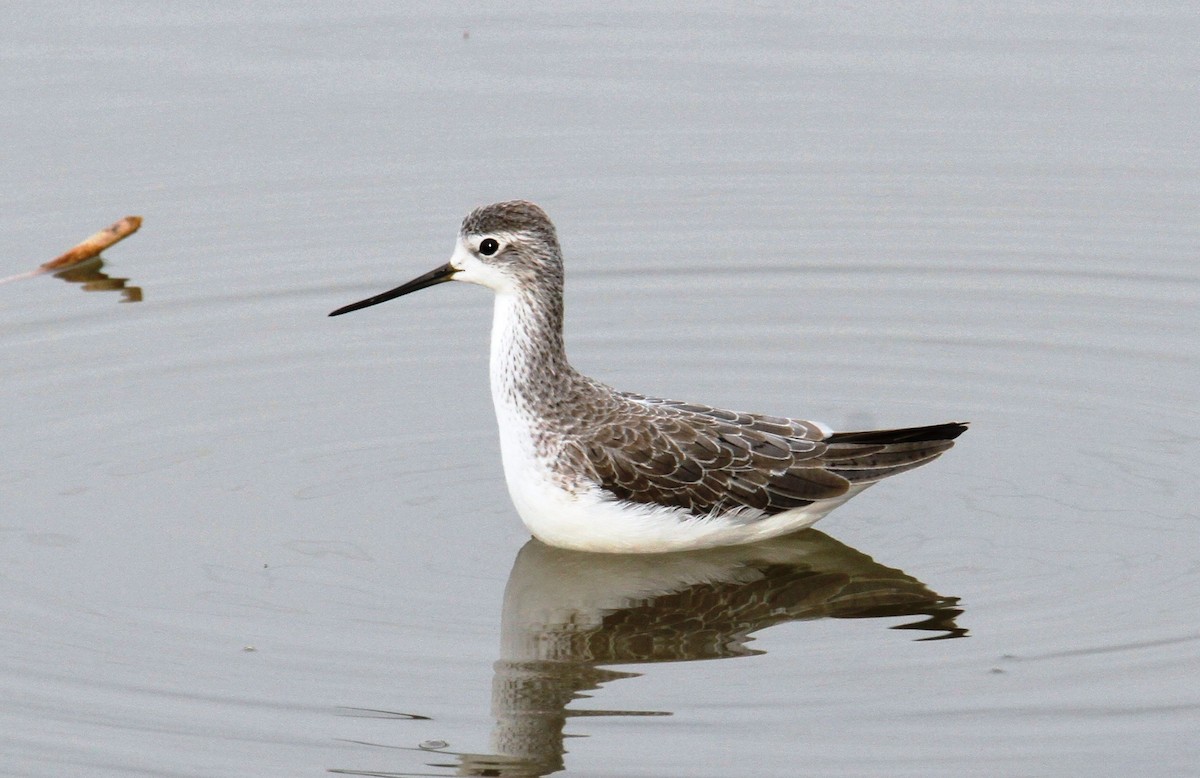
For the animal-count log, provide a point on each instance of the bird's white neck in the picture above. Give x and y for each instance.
(529, 368)
(535, 392)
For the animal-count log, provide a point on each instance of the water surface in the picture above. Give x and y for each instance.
(240, 538)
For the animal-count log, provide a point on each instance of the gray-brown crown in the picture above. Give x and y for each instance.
(513, 216)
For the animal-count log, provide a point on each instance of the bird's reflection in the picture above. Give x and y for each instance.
(92, 278)
(567, 615)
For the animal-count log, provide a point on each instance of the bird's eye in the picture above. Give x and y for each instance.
(489, 246)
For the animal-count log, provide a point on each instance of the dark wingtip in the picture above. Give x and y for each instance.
(948, 431)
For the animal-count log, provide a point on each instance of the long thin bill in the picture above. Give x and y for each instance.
(432, 278)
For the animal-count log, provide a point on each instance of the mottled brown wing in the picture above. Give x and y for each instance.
(705, 459)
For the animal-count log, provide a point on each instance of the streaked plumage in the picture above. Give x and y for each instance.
(592, 468)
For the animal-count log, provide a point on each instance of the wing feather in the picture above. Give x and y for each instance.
(708, 460)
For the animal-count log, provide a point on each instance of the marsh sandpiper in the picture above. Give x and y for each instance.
(596, 469)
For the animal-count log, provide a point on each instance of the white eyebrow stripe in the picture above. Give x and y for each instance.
(505, 238)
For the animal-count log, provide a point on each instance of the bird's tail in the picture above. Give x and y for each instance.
(869, 455)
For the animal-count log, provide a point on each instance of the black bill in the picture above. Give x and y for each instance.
(432, 278)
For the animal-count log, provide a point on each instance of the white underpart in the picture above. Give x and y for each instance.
(587, 518)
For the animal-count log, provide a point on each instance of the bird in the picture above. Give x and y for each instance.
(592, 468)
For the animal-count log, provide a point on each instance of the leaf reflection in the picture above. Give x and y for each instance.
(92, 278)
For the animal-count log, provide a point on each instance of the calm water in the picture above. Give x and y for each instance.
(240, 538)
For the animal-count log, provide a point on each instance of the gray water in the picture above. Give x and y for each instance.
(238, 537)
